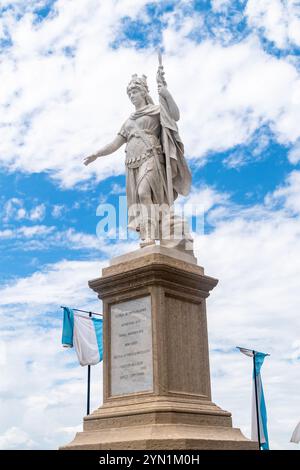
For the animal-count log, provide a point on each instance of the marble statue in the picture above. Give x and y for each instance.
(156, 169)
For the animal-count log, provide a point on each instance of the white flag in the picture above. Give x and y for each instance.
(296, 434)
(85, 333)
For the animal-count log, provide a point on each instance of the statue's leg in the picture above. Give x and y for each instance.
(132, 199)
(148, 225)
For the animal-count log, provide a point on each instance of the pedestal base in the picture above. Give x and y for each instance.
(156, 366)
(163, 437)
(160, 425)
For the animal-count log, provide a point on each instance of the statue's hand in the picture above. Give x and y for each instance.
(90, 159)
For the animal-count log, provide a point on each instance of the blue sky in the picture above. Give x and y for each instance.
(233, 68)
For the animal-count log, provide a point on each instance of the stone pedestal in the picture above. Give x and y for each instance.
(156, 365)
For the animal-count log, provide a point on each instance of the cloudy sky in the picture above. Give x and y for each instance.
(233, 67)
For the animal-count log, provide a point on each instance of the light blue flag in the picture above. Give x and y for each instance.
(68, 328)
(262, 411)
(261, 405)
(86, 334)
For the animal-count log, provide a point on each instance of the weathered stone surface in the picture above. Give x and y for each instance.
(163, 437)
(161, 250)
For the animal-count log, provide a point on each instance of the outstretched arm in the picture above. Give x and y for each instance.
(107, 150)
(172, 106)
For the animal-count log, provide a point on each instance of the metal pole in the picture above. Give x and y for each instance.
(84, 311)
(88, 384)
(256, 401)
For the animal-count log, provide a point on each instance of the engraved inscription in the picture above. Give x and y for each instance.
(131, 347)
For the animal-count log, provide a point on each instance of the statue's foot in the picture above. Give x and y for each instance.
(147, 242)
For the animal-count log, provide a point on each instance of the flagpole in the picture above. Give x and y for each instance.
(256, 401)
(88, 384)
(84, 311)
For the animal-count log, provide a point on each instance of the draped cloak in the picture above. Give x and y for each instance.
(165, 138)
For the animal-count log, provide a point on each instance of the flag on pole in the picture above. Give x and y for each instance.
(85, 334)
(259, 412)
(296, 434)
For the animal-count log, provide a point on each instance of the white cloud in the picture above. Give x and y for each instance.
(289, 194)
(3, 352)
(61, 282)
(207, 196)
(78, 240)
(294, 154)
(43, 237)
(58, 210)
(219, 5)
(37, 213)
(117, 189)
(13, 209)
(278, 19)
(26, 232)
(34, 230)
(15, 438)
(21, 214)
(235, 160)
(80, 99)
(200, 201)
(295, 355)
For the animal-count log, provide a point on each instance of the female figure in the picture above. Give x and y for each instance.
(156, 170)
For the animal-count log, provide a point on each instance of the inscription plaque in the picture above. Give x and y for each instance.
(131, 346)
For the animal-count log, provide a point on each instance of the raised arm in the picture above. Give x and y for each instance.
(107, 150)
(172, 106)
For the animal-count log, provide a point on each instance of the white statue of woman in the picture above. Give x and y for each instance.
(156, 170)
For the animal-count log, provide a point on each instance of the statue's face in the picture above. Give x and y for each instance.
(136, 96)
